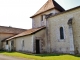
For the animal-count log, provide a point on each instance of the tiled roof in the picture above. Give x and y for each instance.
(50, 4)
(11, 30)
(28, 32)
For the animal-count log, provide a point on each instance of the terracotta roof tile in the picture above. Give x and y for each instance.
(28, 32)
(11, 30)
(50, 4)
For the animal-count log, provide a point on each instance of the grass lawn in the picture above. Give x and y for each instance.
(43, 56)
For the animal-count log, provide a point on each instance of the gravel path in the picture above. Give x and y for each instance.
(3, 57)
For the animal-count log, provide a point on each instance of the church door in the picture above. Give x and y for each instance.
(37, 46)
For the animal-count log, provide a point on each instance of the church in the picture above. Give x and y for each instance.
(54, 30)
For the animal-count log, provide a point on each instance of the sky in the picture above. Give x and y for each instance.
(16, 13)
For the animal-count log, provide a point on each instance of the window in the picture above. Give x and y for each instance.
(23, 43)
(6, 42)
(12, 43)
(61, 33)
(41, 17)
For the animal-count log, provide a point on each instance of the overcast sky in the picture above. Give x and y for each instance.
(16, 13)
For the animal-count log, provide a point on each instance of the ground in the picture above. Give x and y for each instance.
(22, 56)
(3, 57)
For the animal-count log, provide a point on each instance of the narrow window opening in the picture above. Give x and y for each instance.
(23, 43)
(12, 43)
(41, 17)
(6, 42)
(61, 33)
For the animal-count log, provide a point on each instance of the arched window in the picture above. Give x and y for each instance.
(61, 33)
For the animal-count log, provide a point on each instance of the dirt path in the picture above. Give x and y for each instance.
(3, 57)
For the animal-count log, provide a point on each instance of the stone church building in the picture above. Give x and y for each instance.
(54, 30)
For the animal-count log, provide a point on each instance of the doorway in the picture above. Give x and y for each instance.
(37, 46)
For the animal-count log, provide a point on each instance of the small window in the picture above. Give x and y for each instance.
(23, 43)
(12, 43)
(6, 42)
(61, 33)
(41, 17)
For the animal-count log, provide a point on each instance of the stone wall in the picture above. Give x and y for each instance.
(28, 43)
(36, 21)
(61, 20)
(41, 36)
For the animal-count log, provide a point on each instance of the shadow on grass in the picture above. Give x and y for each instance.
(44, 55)
(6, 51)
(78, 55)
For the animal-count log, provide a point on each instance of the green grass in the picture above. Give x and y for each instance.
(43, 56)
